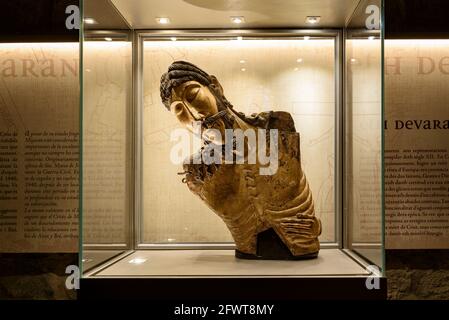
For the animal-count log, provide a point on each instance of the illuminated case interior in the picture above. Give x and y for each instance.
(138, 219)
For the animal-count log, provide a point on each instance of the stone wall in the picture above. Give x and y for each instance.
(417, 274)
(37, 276)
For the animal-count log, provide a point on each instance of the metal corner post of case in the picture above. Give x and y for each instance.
(137, 62)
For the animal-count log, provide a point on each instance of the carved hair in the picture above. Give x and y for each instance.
(178, 73)
(183, 71)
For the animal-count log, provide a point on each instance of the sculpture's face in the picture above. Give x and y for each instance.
(192, 101)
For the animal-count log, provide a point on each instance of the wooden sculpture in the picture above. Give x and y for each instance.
(270, 216)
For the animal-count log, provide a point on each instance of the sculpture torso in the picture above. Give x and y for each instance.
(250, 203)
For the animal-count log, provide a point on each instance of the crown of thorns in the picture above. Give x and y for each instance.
(178, 73)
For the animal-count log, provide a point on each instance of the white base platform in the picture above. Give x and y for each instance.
(94, 258)
(222, 263)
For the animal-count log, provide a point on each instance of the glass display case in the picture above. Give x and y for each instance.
(315, 69)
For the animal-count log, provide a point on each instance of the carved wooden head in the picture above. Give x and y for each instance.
(191, 94)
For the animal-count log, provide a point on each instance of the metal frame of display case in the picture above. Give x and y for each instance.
(145, 35)
(134, 232)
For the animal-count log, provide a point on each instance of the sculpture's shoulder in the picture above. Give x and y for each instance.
(280, 120)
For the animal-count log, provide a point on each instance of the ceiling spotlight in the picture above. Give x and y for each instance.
(296, 69)
(137, 261)
(108, 39)
(313, 19)
(161, 20)
(353, 60)
(89, 21)
(307, 38)
(299, 60)
(173, 39)
(242, 61)
(243, 69)
(238, 20)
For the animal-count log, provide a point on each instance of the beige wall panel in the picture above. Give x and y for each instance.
(39, 149)
(273, 79)
(417, 169)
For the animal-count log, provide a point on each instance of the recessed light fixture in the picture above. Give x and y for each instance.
(313, 19)
(162, 20)
(371, 37)
(137, 261)
(307, 38)
(173, 39)
(353, 60)
(243, 69)
(242, 61)
(108, 39)
(299, 60)
(89, 21)
(238, 20)
(296, 69)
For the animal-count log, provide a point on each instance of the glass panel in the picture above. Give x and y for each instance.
(106, 133)
(107, 80)
(364, 132)
(261, 71)
(293, 75)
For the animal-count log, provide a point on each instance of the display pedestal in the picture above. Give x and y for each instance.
(217, 274)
